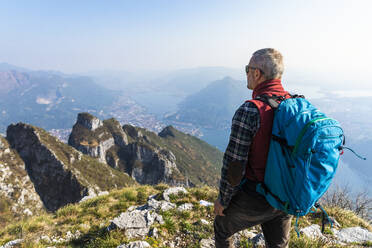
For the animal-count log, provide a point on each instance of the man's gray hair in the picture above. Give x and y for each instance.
(270, 61)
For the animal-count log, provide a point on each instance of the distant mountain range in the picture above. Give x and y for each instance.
(51, 100)
(213, 106)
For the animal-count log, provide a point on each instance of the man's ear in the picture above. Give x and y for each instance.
(235, 172)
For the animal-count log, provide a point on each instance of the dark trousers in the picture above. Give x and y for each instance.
(247, 210)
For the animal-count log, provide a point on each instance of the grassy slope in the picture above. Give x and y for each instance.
(93, 216)
(92, 171)
(196, 159)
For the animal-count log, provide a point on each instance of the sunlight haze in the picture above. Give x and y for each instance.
(331, 39)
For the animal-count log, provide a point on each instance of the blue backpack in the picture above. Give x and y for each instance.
(304, 151)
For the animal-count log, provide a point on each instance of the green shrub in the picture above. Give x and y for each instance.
(141, 196)
(161, 187)
(16, 230)
(120, 206)
(129, 195)
(94, 202)
(170, 225)
(67, 210)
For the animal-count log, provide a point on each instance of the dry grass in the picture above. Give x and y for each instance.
(92, 217)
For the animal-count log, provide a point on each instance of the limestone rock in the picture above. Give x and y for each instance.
(152, 166)
(89, 121)
(312, 231)
(204, 222)
(185, 207)
(247, 234)
(95, 138)
(173, 191)
(205, 203)
(154, 232)
(162, 205)
(16, 186)
(207, 243)
(136, 223)
(136, 244)
(13, 243)
(147, 164)
(353, 234)
(50, 176)
(27, 212)
(259, 240)
(72, 236)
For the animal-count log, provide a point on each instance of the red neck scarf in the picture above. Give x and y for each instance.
(269, 87)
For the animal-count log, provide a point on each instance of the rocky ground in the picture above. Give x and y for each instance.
(159, 216)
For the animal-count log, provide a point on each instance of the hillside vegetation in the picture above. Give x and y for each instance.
(85, 224)
(196, 159)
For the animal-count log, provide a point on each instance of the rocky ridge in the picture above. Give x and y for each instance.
(148, 157)
(60, 174)
(90, 136)
(17, 192)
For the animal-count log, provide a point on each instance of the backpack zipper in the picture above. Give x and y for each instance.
(304, 129)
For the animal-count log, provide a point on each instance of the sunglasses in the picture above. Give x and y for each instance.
(247, 67)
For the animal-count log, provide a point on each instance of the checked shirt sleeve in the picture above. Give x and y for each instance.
(245, 124)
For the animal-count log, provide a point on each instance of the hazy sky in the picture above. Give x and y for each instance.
(332, 38)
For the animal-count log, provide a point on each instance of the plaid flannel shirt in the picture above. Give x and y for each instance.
(245, 123)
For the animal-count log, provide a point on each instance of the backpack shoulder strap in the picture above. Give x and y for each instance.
(274, 100)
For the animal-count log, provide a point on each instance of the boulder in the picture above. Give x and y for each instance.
(160, 205)
(353, 234)
(135, 244)
(173, 191)
(136, 223)
(205, 203)
(312, 231)
(258, 240)
(13, 243)
(207, 243)
(185, 207)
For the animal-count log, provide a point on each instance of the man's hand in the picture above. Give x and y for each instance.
(218, 208)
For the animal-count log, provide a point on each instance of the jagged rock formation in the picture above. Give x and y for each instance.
(60, 174)
(89, 121)
(136, 151)
(94, 137)
(171, 157)
(17, 192)
(196, 160)
(152, 166)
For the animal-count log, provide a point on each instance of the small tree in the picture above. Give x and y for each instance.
(338, 196)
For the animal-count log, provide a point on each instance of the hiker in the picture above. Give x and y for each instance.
(239, 206)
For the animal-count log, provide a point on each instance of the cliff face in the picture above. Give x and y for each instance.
(107, 141)
(93, 137)
(197, 162)
(60, 174)
(17, 192)
(171, 157)
(152, 166)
